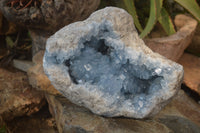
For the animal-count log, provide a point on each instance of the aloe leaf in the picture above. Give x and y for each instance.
(166, 22)
(155, 7)
(191, 6)
(130, 6)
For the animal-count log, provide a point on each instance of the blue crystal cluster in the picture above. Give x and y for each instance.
(100, 64)
(103, 65)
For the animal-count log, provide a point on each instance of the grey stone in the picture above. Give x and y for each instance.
(22, 65)
(181, 115)
(102, 64)
(180, 124)
(71, 118)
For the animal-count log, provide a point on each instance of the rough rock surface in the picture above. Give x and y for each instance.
(40, 122)
(17, 97)
(182, 115)
(191, 65)
(173, 46)
(102, 64)
(47, 17)
(6, 27)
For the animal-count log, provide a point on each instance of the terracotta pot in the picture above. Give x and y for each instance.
(173, 46)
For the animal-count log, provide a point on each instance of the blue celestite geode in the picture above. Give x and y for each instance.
(102, 64)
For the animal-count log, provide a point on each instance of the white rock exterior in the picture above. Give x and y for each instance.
(103, 65)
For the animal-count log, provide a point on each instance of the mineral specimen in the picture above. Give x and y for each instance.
(102, 64)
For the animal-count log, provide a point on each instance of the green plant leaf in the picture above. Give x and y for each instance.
(166, 22)
(155, 7)
(191, 6)
(9, 42)
(130, 6)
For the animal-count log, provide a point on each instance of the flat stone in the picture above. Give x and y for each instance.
(102, 64)
(182, 115)
(22, 65)
(191, 66)
(17, 97)
(72, 118)
(173, 46)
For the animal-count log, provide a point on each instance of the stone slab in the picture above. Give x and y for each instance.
(182, 115)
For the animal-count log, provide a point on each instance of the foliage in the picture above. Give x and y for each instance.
(132, 10)
(191, 6)
(166, 22)
(157, 13)
(155, 8)
(16, 46)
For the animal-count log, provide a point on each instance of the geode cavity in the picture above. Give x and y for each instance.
(102, 64)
